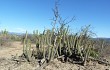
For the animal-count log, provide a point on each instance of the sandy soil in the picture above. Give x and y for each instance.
(6, 63)
(14, 49)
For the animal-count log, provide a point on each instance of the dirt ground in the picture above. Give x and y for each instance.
(6, 62)
(14, 49)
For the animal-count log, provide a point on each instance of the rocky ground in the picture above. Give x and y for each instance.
(7, 63)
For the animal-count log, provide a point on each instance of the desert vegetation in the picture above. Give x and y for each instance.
(6, 38)
(58, 43)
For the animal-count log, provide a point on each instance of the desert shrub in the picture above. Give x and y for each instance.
(4, 38)
(52, 44)
(4, 41)
(15, 37)
(59, 41)
(102, 45)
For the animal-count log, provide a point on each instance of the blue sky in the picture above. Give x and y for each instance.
(22, 15)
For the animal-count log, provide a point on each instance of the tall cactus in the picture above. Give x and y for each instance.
(27, 48)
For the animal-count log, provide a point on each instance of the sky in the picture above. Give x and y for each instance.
(21, 15)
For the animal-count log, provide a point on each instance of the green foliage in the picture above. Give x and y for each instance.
(59, 41)
(27, 52)
(52, 44)
(4, 38)
(4, 32)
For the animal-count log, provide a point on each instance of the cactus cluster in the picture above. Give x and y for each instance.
(59, 41)
(52, 44)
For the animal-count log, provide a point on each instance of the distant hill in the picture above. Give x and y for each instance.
(107, 40)
(14, 33)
